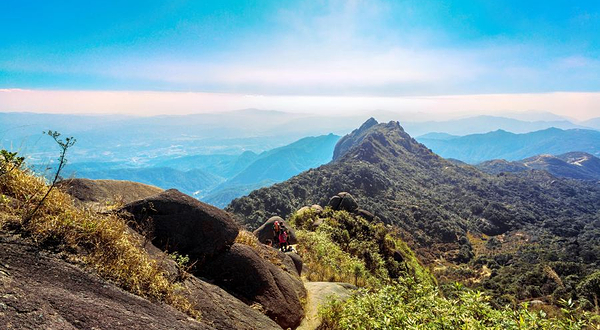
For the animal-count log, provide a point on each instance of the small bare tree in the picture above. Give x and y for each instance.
(62, 161)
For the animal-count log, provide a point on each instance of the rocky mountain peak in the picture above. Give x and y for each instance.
(374, 142)
(352, 139)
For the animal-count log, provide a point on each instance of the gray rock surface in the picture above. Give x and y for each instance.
(243, 272)
(38, 290)
(178, 222)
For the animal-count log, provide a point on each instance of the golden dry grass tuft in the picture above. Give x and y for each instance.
(102, 241)
(268, 253)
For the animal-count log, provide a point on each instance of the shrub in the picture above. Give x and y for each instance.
(350, 247)
(408, 304)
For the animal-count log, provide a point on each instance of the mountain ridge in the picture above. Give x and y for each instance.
(501, 144)
(574, 165)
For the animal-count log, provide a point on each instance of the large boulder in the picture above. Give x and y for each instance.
(178, 222)
(265, 232)
(218, 307)
(343, 201)
(297, 260)
(101, 194)
(283, 260)
(314, 208)
(222, 310)
(365, 214)
(242, 271)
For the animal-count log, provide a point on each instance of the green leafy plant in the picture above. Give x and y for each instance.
(408, 304)
(9, 161)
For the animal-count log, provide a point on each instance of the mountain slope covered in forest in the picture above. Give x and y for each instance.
(446, 209)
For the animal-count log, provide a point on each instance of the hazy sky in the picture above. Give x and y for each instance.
(185, 56)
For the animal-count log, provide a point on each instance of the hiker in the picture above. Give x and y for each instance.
(276, 232)
(283, 238)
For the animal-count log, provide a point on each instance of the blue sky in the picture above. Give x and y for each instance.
(307, 48)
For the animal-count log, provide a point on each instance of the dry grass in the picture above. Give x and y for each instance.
(247, 238)
(101, 241)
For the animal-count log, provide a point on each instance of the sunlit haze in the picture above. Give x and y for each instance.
(179, 57)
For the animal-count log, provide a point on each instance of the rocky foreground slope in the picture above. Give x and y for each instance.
(178, 265)
(40, 290)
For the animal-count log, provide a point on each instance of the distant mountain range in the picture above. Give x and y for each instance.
(484, 124)
(501, 144)
(218, 179)
(220, 156)
(593, 123)
(146, 141)
(574, 165)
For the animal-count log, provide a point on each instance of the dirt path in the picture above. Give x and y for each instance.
(318, 294)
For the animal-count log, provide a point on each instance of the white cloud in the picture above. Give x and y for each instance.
(577, 105)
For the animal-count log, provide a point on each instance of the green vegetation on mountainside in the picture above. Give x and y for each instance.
(397, 292)
(438, 206)
(348, 248)
(408, 304)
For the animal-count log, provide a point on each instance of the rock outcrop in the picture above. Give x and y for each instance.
(39, 290)
(219, 308)
(297, 260)
(343, 201)
(222, 310)
(315, 208)
(265, 232)
(178, 222)
(243, 272)
(107, 191)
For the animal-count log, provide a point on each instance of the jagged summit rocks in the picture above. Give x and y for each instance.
(352, 139)
(178, 222)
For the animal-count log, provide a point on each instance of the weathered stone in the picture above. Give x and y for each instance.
(45, 292)
(297, 261)
(242, 271)
(178, 222)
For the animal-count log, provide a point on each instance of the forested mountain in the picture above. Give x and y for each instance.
(501, 144)
(275, 166)
(574, 165)
(446, 209)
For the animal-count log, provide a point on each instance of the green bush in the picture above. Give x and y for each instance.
(408, 304)
(370, 251)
